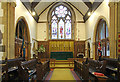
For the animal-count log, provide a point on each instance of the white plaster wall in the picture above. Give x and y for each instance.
(80, 31)
(79, 17)
(20, 10)
(90, 24)
(41, 34)
(41, 31)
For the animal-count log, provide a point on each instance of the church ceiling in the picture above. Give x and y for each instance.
(83, 6)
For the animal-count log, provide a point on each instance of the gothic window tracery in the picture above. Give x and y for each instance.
(61, 27)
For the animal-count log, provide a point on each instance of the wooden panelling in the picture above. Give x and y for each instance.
(61, 46)
(46, 45)
(79, 47)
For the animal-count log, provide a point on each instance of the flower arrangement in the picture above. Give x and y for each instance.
(41, 49)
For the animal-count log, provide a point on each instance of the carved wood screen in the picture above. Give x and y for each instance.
(61, 46)
(79, 47)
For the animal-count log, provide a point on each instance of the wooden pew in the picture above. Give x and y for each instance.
(9, 68)
(27, 70)
(33, 70)
(82, 69)
(96, 66)
(118, 71)
(12, 66)
(111, 68)
(42, 69)
(3, 72)
(111, 63)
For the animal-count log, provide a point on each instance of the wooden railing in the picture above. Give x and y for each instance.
(71, 60)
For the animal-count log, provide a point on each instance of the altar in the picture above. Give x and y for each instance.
(61, 55)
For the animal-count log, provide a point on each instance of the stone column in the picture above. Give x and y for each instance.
(8, 20)
(118, 26)
(2, 46)
(114, 28)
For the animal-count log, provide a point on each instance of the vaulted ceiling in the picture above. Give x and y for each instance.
(83, 6)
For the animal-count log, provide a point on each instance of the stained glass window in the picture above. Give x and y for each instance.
(102, 37)
(61, 23)
(68, 30)
(54, 30)
(61, 29)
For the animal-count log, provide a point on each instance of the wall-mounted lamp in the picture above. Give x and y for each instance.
(89, 13)
(33, 13)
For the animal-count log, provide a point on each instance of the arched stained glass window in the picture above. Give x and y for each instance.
(102, 41)
(61, 23)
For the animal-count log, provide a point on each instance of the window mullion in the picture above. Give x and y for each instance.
(64, 29)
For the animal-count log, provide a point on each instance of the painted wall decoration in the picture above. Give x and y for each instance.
(1, 37)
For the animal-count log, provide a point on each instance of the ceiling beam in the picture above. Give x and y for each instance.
(34, 3)
(30, 9)
(88, 3)
(94, 7)
(46, 8)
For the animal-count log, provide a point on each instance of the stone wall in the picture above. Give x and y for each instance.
(7, 23)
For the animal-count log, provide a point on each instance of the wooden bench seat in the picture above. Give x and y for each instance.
(86, 69)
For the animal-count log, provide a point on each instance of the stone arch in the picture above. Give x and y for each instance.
(95, 31)
(27, 43)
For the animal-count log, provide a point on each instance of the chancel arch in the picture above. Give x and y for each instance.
(22, 39)
(101, 39)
